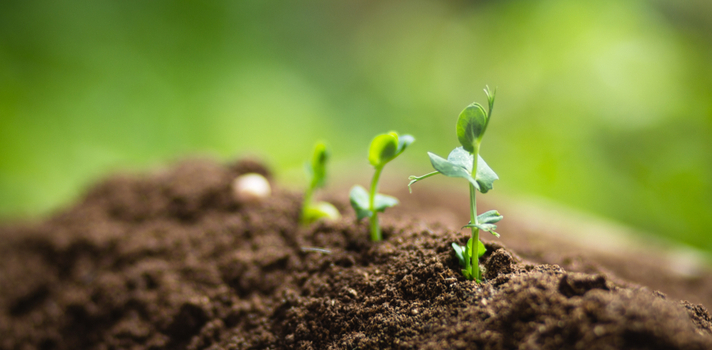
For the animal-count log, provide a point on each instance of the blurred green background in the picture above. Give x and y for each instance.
(605, 106)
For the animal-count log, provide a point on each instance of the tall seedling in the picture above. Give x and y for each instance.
(465, 162)
(383, 149)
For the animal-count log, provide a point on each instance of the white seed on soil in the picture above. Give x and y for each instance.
(251, 187)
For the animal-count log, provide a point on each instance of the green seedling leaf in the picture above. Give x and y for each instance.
(471, 126)
(485, 175)
(489, 228)
(452, 170)
(480, 248)
(359, 201)
(383, 149)
(461, 158)
(317, 166)
(403, 142)
(459, 164)
(320, 210)
(382, 201)
(490, 101)
(464, 252)
(386, 147)
(489, 217)
(484, 227)
(459, 253)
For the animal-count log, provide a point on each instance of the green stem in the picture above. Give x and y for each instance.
(475, 266)
(307, 202)
(414, 179)
(375, 227)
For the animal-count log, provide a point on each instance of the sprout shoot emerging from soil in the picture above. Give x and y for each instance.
(465, 162)
(383, 149)
(316, 172)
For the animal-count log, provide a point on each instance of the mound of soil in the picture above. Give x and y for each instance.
(173, 261)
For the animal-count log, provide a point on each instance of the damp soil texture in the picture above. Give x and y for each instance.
(172, 260)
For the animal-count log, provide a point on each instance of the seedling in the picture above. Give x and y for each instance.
(383, 149)
(465, 162)
(316, 172)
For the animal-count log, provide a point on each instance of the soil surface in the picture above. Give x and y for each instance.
(173, 261)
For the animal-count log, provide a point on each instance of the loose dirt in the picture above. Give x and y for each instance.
(173, 261)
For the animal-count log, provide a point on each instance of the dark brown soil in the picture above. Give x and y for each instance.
(173, 261)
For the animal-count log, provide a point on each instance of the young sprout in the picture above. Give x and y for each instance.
(316, 172)
(383, 149)
(465, 162)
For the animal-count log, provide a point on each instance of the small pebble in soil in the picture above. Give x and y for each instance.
(251, 187)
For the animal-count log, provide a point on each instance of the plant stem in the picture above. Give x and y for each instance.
(414, 179)
(475, 266)
(375, 227)
(307, 202)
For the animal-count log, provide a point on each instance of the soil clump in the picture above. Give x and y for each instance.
(173, 261)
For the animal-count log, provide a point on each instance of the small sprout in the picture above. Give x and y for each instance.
(465, 162)
(464, 255)
(383, 149)
(316, 171)
(251, 187)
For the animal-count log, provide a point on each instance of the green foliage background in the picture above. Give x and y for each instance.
(602, 105)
